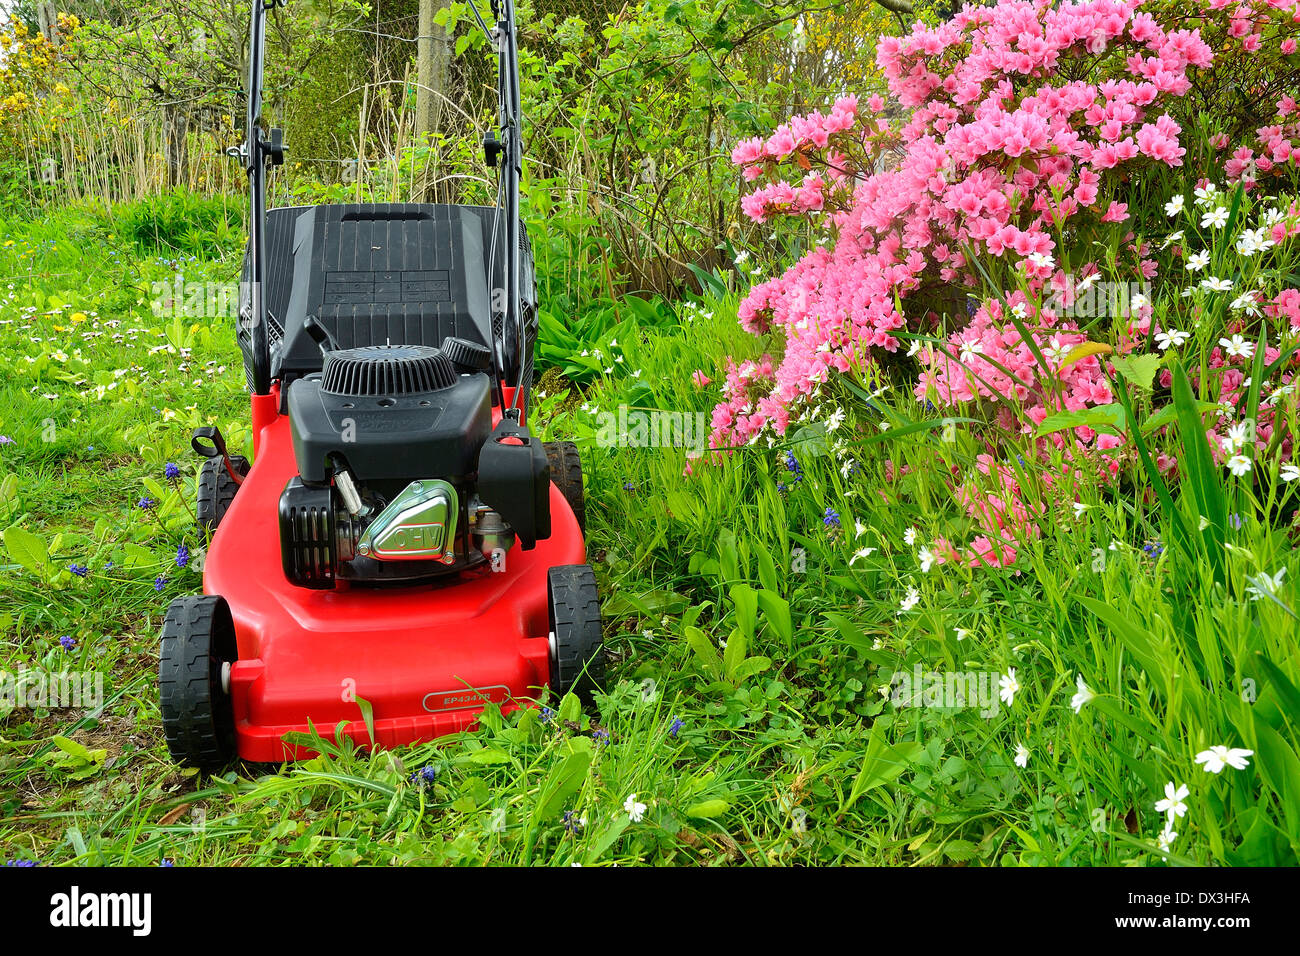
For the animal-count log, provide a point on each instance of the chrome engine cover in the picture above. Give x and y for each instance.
(417, 525)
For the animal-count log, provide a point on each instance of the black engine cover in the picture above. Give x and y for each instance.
(409, 424)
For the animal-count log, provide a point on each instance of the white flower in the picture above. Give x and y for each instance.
(861, 553)
(1174, 206)
(909, 536)
(926, 557)
(1042, 260)
(1289, 473)
(1008, 686)
(1215, 218)
(1022, 755)
(1238, 435)
(859, 529)
(1198, 261)
(1246, 303)
(1056, 350)
(1080, 508)
(1252, 241)
(914, 347)
(1019, 310)
(1205, 194)
(1239, 465)
(1173, 338)
(634, 810)
(1213, 284)
(835, 419)
(741, 256)
(1218, 757)
(961, 633)
(1173, 803)
(1238, 347)
(1265, 584)
(1166, 839)
(1082, 695)
(910, 600)
(969, 350)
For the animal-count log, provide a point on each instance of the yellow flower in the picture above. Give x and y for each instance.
(78, 316)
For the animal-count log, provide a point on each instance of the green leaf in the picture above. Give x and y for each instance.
(368, 716)
(852, 635)
(27, 549)
(749, 667)
(733, 654)
(489, 755)
(70, 747)
(570, 708)
(704, 650)
(767, 575)
(1109, 417)
(881, 763)
(1081, 351)
(776, 611)
(959, 850)
(1138, 642)
(708, 809)
(746, 600)
(563, 783)
(1139, 370)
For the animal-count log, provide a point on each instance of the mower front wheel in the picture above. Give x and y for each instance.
(577, 655)
(566, 473)
(198, 649)
(217, 490)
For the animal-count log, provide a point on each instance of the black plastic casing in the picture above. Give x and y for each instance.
(514, 478)
(434, 434)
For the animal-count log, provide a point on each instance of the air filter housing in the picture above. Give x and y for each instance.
(387, 370)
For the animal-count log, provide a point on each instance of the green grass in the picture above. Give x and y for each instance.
(753, 641)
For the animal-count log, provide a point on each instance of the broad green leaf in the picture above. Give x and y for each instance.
(26, 548)
(746, 600)
(708, 809)
(776, 611)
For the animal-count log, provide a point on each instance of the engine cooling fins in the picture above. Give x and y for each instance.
(387, 370)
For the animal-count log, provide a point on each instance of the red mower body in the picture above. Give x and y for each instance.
(426, 657)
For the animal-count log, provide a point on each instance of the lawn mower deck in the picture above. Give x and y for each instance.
(426, 658)
(402, 551)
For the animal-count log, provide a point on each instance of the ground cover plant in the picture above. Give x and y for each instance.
(983, 551)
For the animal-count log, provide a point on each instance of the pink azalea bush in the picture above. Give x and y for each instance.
(995, 160)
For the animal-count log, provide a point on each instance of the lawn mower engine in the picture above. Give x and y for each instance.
(402, 476)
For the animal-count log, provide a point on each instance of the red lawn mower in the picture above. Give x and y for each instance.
(400, 536)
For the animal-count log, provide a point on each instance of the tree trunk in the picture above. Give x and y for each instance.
(432, 66)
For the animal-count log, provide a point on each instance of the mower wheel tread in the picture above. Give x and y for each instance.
(566, 473)
(579, 657)
(217, 490)
(198, 637)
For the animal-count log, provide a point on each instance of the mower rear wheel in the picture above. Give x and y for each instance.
(566, 473)
(198, 648)
(217, 490)
(577, 656)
